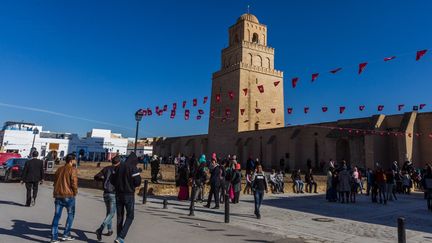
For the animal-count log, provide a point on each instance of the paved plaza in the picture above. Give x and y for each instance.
(286, 218)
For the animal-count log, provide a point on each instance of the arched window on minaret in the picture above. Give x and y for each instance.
(255, 38)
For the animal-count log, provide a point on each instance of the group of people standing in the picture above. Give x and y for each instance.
(224, 177)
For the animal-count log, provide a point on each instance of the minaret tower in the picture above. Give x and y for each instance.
(246, 64)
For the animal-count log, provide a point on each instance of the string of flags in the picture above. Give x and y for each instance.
(342, 109)
(159, 110)
(361, 132)
(361, 67)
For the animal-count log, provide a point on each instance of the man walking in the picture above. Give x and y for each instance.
(125, 179)
(65, 190)
(259, 185)
(109, 196)
(215, 182)
(33, 174)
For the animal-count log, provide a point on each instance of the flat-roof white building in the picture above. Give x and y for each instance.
(98, 145)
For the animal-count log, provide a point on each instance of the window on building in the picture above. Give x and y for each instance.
(255, 38)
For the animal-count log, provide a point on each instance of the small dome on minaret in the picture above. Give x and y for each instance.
(248, 17)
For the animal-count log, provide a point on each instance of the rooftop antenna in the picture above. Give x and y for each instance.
(248, 9)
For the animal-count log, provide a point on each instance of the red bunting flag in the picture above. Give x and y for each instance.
(335, 70)
(306, 110)
(389, 58)
(149, 112)
(157, 109)
(290, 110)
(400, 107)
(273, 110)
(165, 108)
(294, 82)
(201, 112)
(174, 107)
(198, 117)
(231, 95)
(218, 98)
(144, 112)
(361, 108)
(205, 99)
(362, 66)
(420, 54)
(242, 111)
(314, 76)
(173, 113)
(195, 102)
(187, 113)
(421, 106)
(184, 104)
(276, 83)
(341, 109)
(324, 108)
(380, 107)
(261, 88)
(227, 111)
(245, 91)
(257, 110)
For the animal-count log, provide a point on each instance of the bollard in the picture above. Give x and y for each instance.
(401, 230)
(227, 208)
(165, 204)
(192, 204)
(144, 199)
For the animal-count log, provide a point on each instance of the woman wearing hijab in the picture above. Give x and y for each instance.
(183, 180)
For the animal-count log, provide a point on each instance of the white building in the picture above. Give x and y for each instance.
(99, 144)
(144, 146)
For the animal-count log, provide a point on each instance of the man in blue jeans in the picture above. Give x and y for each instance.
(65, 190)
(259, 185)
(109, 196)
(125, 179)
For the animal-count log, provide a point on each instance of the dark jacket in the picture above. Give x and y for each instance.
(105, 175)
(259, 182)
(236, 181)
(215, 176)
(33, 171)
(200, 177)
(126, 176)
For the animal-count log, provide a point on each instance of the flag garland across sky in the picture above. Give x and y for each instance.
(261, 88)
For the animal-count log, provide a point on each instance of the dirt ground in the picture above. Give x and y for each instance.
(87, 170)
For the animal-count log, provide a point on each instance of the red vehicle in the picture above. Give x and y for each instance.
(5, 156)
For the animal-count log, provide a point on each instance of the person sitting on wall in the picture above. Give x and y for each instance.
(297, 182)
(280, 181)
(310, 182)
(273, 182)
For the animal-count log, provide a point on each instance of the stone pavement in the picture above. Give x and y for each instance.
(151, 224)
(312, 219)
(286, 218)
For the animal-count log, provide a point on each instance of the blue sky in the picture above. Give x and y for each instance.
(100, 61)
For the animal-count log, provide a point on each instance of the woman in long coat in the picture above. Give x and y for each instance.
(344, 184)
(183, 180)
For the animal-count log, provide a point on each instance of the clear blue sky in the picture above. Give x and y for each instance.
(102, 60)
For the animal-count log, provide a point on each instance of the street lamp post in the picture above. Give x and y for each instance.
(35, 132)
(138, 116)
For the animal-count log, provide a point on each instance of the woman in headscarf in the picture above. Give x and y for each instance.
(236, 181)
(183, 180)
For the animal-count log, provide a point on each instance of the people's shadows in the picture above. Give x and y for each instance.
(37, 232)
(11, 203)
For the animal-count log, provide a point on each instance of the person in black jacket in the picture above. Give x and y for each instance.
(109, 196)
(125, 179)
(215, 181)
(32, 175)
(259, 185)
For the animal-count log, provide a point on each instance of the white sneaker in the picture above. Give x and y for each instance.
(67, 238)
(54, 241)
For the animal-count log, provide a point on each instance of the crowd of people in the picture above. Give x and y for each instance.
(224, 177)
(382, 185)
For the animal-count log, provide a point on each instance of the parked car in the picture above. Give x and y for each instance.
(12, 169)
(5, 156)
